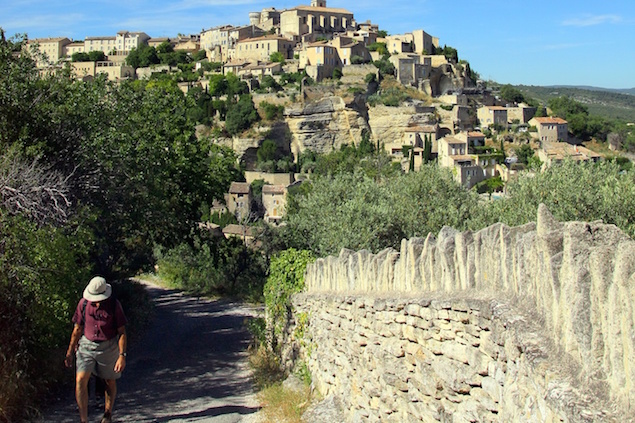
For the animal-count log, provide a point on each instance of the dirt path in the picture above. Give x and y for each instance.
(190, 366)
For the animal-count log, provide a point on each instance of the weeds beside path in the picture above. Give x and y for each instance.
(191, 365)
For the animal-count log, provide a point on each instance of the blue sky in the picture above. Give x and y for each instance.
(557, 42)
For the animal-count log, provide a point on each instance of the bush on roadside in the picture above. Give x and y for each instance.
(214, 266)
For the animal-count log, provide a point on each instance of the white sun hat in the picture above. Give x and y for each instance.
(97, 289)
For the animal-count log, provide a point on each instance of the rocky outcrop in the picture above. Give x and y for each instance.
(388, 124)
(324, 125)
(530, 323)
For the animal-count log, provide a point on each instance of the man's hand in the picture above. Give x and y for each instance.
(120, 364)
(68, 360)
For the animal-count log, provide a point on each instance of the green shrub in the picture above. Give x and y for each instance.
(43, 272)
(214, 267)
(271, 111)
(286, 277)
(370, 78)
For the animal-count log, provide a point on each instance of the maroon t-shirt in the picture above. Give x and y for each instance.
(101, 323)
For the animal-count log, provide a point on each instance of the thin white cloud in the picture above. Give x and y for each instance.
(593, 20)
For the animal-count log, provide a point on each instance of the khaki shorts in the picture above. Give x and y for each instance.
(98, 358)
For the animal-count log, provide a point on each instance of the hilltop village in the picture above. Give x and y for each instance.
(320, 80)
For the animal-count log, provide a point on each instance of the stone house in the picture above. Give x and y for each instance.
(190, 43)
(157, 41)
(551, 129)
(72, 48)
(262, 48)
(105, 44)
(315, 20)
(556, 152)
(274, 201)
(267, 19)
(473, 139)
(319, 59)
(364, 36)
(415, 136)
(411, 68)
(521, 113)
(52, 48)
(239, 200)
(347, 47)
(468, 169)
(113, 71)
(216, 41)
(247, 234)
(492, 115)
(126, 41)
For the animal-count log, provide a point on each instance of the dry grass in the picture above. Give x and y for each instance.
(266, 366)
(281, 405)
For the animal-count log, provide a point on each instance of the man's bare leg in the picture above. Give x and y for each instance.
(111, 393)
(81, 394)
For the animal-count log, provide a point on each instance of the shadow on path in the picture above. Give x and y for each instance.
(190, 365)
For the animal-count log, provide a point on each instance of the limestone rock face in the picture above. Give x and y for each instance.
(239, 145)
(388, 124)
(325, 125)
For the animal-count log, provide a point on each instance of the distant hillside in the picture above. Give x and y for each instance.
(629, 91)
(606, 103)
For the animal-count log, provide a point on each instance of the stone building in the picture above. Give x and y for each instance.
(315, 20)
(274, 201)
(551, 129)
(238, 200)
(74, 47)
(492, 115)
(51, 48)
(262, 48)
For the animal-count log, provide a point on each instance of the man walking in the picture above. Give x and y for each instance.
(99, 343)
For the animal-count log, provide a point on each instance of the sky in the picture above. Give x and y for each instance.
(557, 42)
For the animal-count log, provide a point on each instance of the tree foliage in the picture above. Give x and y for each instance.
(214, 266)
(353, 210)
(512, 94)
(571, 191)
(241, 115)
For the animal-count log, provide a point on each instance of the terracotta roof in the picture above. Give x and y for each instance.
(237, 63)
(476, 134)
(101, 38)
(239, 188)
(265, 38)
(48, 40)
(496, 107)
(318, 44)
(552, 120)
(274, 189)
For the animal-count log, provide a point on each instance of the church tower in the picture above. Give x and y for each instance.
(318, 3)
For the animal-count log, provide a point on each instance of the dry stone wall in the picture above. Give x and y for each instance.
(532, 323)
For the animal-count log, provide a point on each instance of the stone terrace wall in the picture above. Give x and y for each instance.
(564, 350)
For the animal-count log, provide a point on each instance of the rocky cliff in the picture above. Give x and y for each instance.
(324, 125)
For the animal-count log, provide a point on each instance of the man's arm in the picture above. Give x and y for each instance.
(72, 346)
(123, 346)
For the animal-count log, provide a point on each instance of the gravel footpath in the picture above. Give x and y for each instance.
(190, 366)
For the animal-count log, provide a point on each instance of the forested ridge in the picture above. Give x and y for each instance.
(604, 103)
(98, 177)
